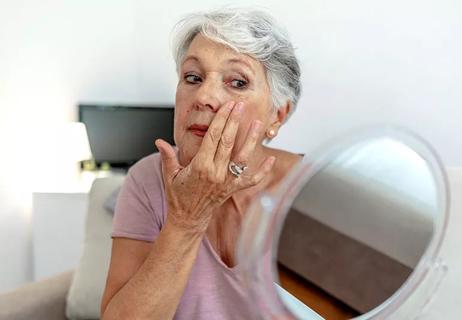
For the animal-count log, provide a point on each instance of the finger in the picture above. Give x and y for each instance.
(228, 137)
(242, 157)
(170, 163)
(211, 139)
(263, 170)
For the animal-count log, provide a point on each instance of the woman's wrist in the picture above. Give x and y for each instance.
(183, 228)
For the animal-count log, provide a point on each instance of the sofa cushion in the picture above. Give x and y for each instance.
(41, 300)
(86, 291)
(110, 202)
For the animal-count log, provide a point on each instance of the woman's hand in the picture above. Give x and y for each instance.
(194, 191)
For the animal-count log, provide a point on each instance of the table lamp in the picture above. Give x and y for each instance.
(75, 148)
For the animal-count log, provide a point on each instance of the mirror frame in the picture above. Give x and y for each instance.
(265, 218)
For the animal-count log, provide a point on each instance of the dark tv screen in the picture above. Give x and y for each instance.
(123, 134)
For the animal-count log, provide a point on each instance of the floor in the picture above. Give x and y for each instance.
(318, 300)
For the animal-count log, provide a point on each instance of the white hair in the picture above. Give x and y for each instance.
(251, 32)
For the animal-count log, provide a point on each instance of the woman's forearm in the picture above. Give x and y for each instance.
(155, 290)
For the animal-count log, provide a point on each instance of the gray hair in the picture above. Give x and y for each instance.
(251, 32)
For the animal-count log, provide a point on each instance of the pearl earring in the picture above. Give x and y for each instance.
(271, 133)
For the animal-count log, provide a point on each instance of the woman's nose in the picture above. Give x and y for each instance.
(210, 94)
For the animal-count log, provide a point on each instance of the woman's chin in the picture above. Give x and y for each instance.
(186, 154)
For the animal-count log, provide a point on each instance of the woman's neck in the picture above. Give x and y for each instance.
(285, 161)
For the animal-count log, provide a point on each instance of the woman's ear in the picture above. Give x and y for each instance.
(284, 111)
(280, 116)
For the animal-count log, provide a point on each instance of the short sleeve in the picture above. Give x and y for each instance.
(134, 215)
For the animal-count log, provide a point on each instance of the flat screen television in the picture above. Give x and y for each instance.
(123, 134)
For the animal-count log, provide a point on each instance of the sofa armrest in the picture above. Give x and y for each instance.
(41, 300)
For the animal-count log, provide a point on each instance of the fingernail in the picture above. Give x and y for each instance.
(230, 105)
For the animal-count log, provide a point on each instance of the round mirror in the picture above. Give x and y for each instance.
(353, 232)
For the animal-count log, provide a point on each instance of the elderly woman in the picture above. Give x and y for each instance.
(179, 212)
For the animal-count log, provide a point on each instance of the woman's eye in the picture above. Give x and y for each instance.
(192, 78)
(238, 84)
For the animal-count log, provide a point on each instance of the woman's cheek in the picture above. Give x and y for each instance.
(179, 124)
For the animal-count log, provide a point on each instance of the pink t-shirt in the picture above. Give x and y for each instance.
(213, 290)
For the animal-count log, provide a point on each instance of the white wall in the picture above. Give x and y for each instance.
(52, 54)
(363, 62)
(379, 62)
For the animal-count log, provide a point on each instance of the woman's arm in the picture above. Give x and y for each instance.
(145, 280)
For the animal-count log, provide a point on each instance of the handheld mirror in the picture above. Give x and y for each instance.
(354, 231)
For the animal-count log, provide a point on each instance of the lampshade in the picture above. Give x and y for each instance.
(74, 142)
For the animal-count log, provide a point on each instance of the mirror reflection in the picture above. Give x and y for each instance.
(358, 229)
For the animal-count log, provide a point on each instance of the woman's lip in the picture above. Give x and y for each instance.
(200, 127)
(199, 133)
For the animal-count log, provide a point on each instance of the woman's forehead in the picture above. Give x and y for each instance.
(205, 51)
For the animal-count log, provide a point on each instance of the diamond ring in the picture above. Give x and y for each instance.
(236, 169)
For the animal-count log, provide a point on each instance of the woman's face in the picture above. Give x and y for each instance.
(212, 75)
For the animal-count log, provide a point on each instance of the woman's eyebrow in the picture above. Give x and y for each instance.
(191, 58)
(238, 61)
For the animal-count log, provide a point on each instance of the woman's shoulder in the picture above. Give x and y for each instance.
(147, 168)
(139, 213)
(285, 160)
